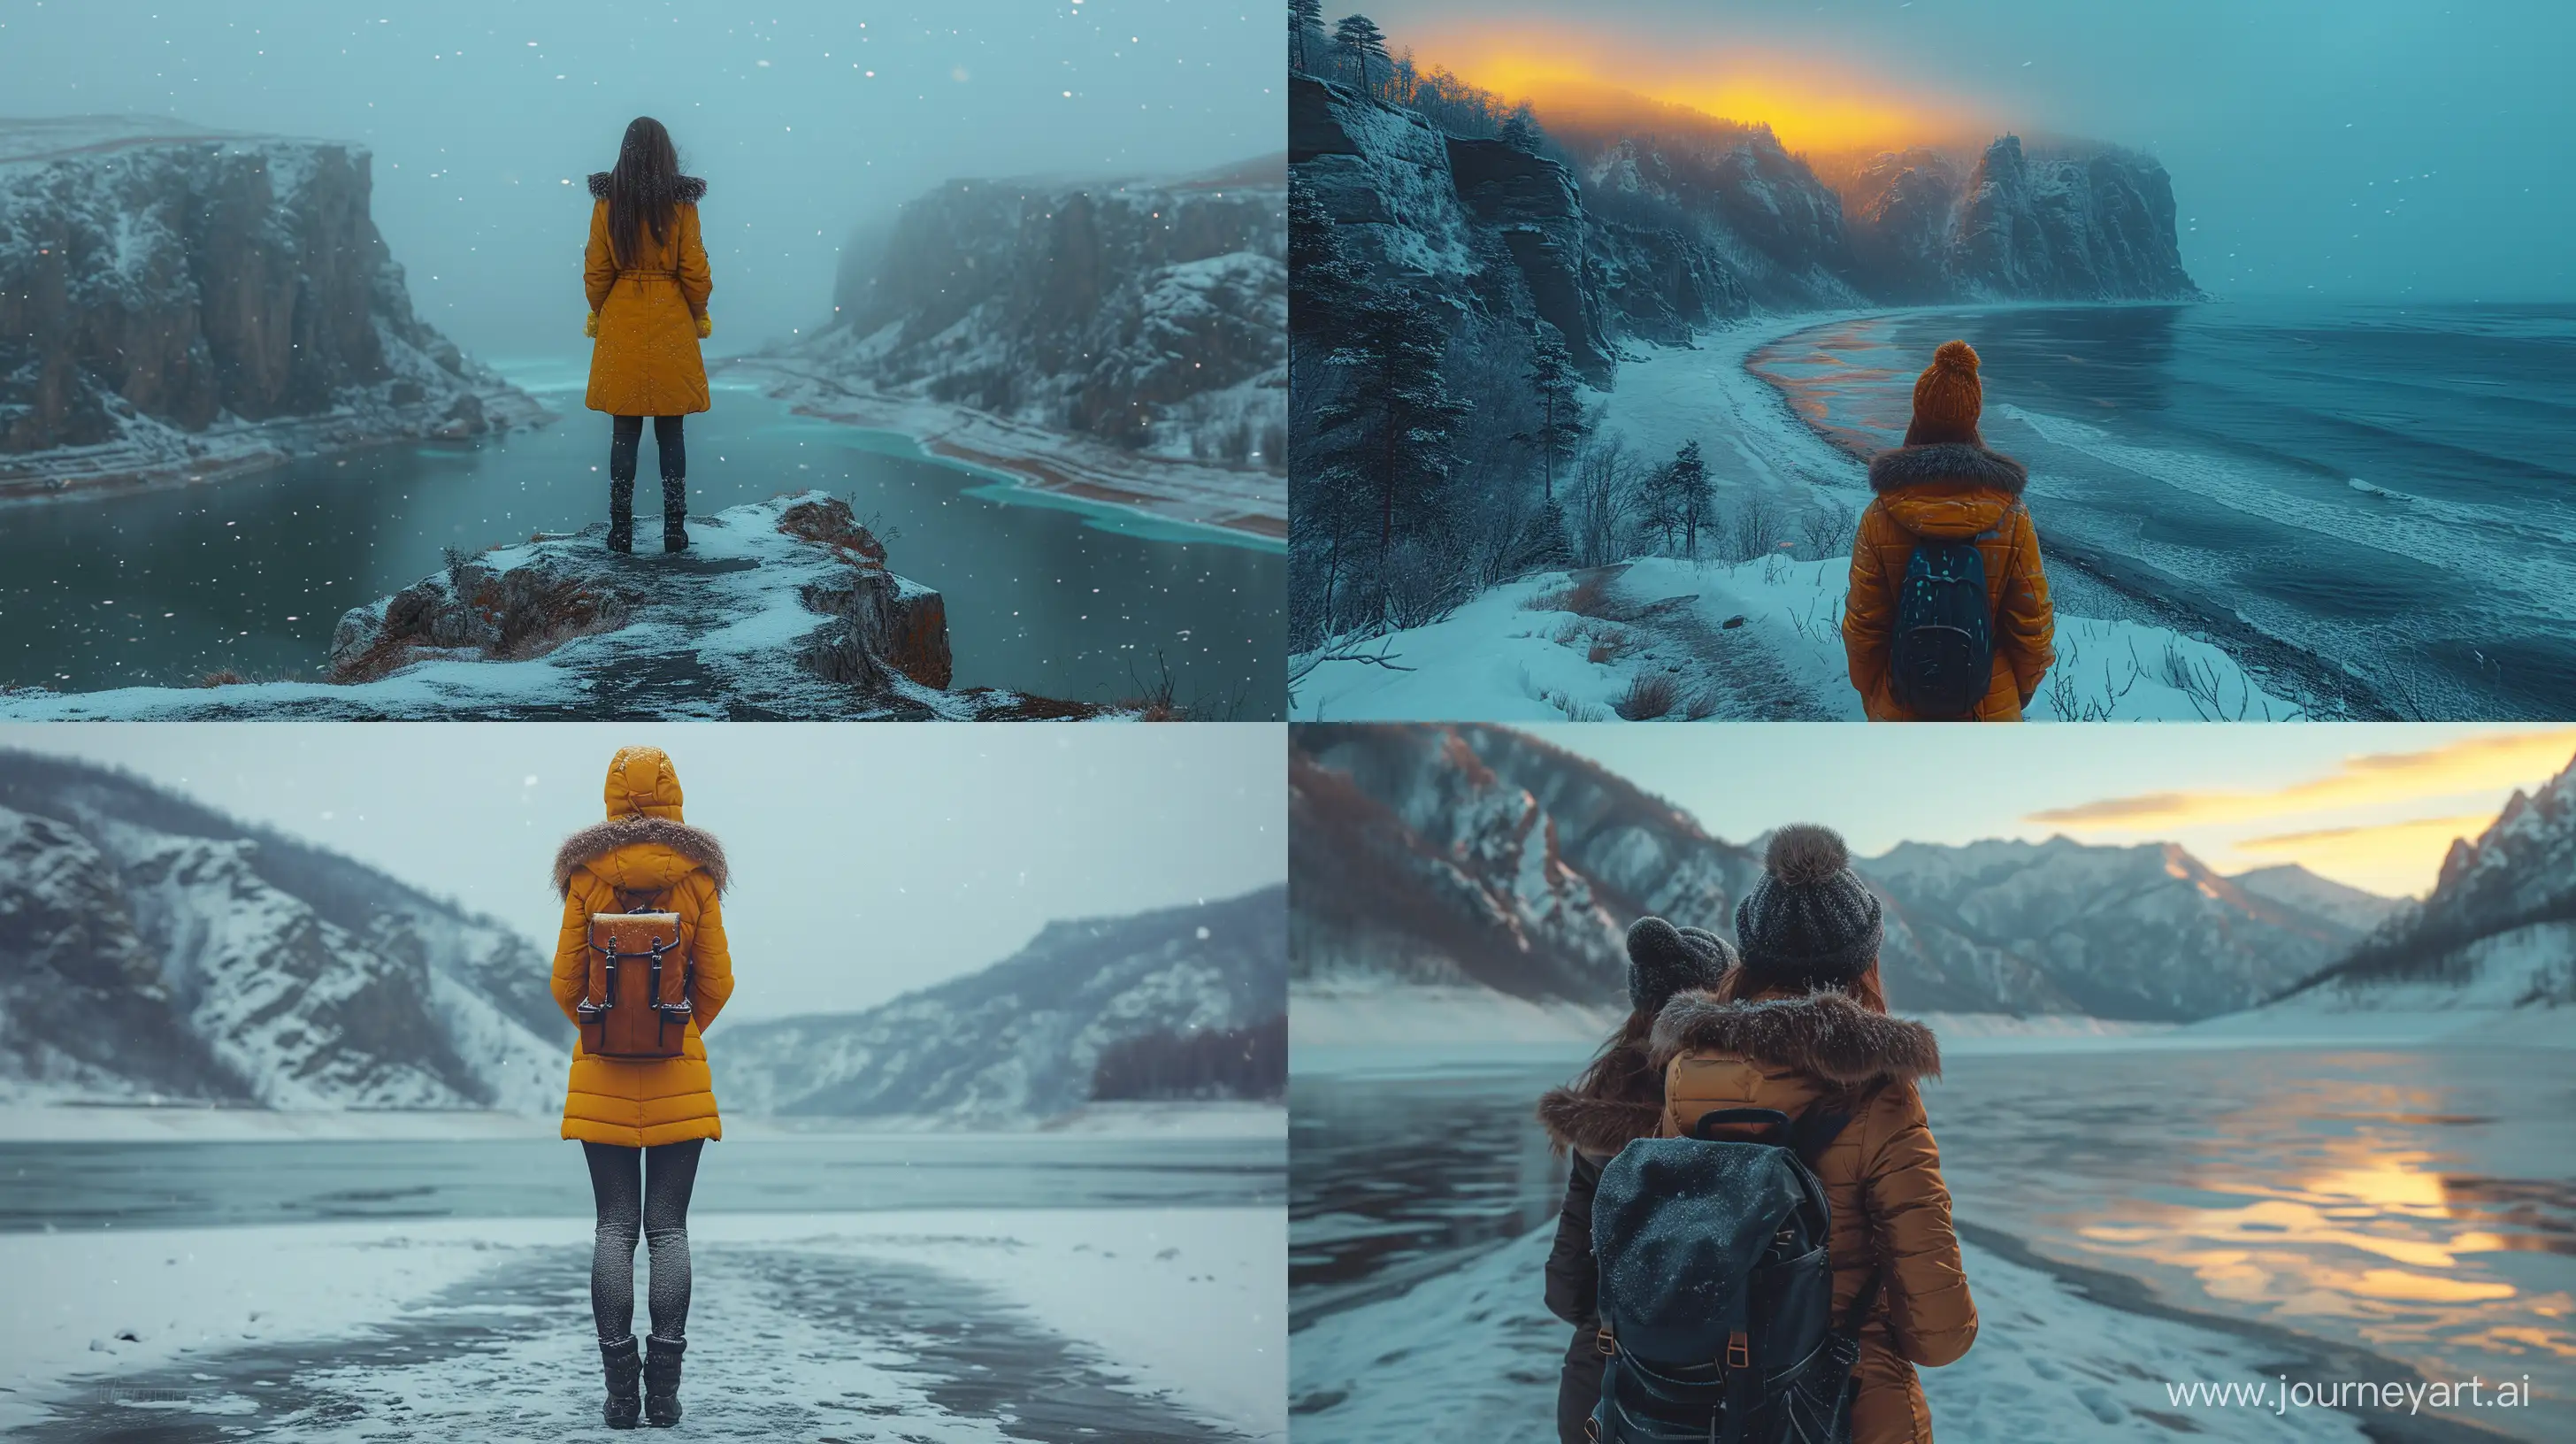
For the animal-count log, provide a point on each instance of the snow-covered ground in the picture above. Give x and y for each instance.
(1155, 1323)
(1661, 638)
(1471, 1356)
(1170, 497)
(2488, 1006)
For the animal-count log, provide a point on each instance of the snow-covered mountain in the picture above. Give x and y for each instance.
(1148, 314)
(1027, 1038)
(151, 946)
(1480, 856)
(2294, 886)
(2497, 932)
(175, 299)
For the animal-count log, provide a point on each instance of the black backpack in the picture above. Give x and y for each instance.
(1716, 1291)
(1943, 656)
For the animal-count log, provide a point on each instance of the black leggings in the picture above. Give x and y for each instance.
(623, 434)
(643, 1189)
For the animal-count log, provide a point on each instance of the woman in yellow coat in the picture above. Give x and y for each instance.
(646, 276)
(642, 1122)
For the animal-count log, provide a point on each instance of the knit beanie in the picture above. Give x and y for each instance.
(1664, 960)
(1947, 398)
(1810, 922)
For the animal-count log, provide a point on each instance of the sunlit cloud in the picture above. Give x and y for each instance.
(2471, 764)
(1812, 102)
(2390, 858)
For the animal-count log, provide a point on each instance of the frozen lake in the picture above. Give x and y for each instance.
(251, 572)
(2417, 1206)
(946, 1288)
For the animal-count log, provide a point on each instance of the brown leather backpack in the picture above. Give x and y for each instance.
(637, 1002)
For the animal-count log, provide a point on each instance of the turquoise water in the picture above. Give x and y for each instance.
(249, 574)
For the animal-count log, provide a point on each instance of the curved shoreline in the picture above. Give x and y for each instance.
(2319, 688)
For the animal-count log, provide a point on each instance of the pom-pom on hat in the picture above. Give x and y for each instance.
(1810, 922)
(1948, 398)
(1664, 960)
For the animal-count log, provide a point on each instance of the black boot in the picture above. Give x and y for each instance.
(675, 514)
(621, 515)
(662, 1380)
(625, 1371)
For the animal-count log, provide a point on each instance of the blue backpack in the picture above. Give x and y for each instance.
(1716, 1291)
(1942, 656)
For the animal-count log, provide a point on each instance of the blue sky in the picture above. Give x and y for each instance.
(2379, 149)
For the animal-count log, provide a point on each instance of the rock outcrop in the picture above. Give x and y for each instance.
(779, 610)
(176, 301)
(1150, 315)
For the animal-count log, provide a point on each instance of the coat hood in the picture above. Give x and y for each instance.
(638, 853)
(1604, 1118)
(1947, 491)
(1826, 1034)
(687, 190)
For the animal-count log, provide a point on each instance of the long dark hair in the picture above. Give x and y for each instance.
(644, 189)
(1621, 1069)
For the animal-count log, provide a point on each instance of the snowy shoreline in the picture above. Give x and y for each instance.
(1158, 498)
(1734, 641)
(1182, 1308)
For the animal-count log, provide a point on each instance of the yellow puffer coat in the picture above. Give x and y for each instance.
(1882, 1174)
(643, 848)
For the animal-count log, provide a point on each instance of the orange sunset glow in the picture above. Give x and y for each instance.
(1810, 103)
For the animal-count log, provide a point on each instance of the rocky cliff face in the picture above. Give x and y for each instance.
(1021, 1040)
(1668, 222)
(1478, 855)
(156, 948)
(1150, 315)
(175, 300)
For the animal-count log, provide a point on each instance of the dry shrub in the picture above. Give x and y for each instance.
(1649, 695)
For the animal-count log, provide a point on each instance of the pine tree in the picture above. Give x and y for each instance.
(1395, 423)
(1305, 19)
(1554, 383)
(1359, 41)
(1686, 482)
(1321, 278)
(1521, 132)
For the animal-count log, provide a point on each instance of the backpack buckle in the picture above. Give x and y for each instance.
(1604, 1342)
(1739, 1351)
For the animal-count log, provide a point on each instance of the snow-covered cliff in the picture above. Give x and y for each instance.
(176, 301)
(2496, 934)
(153, 947)
(1024, 1040)
(1150, 315)
(1486, 858)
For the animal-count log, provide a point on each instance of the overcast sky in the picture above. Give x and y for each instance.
(804, 116)
(867, 860)
(2380, 149)
(2374, 805)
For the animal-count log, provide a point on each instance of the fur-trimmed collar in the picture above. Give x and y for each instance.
(1824, 1033)
(602, 838)
(1949, 461)
(1605, 1121)
(686, 189)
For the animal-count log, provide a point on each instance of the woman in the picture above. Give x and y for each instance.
(642, 1122)
(646, 274)
(1618, 1099)
(1802, 1022)
(1943, 485)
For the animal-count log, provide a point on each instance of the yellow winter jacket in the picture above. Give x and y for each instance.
(643, 848)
